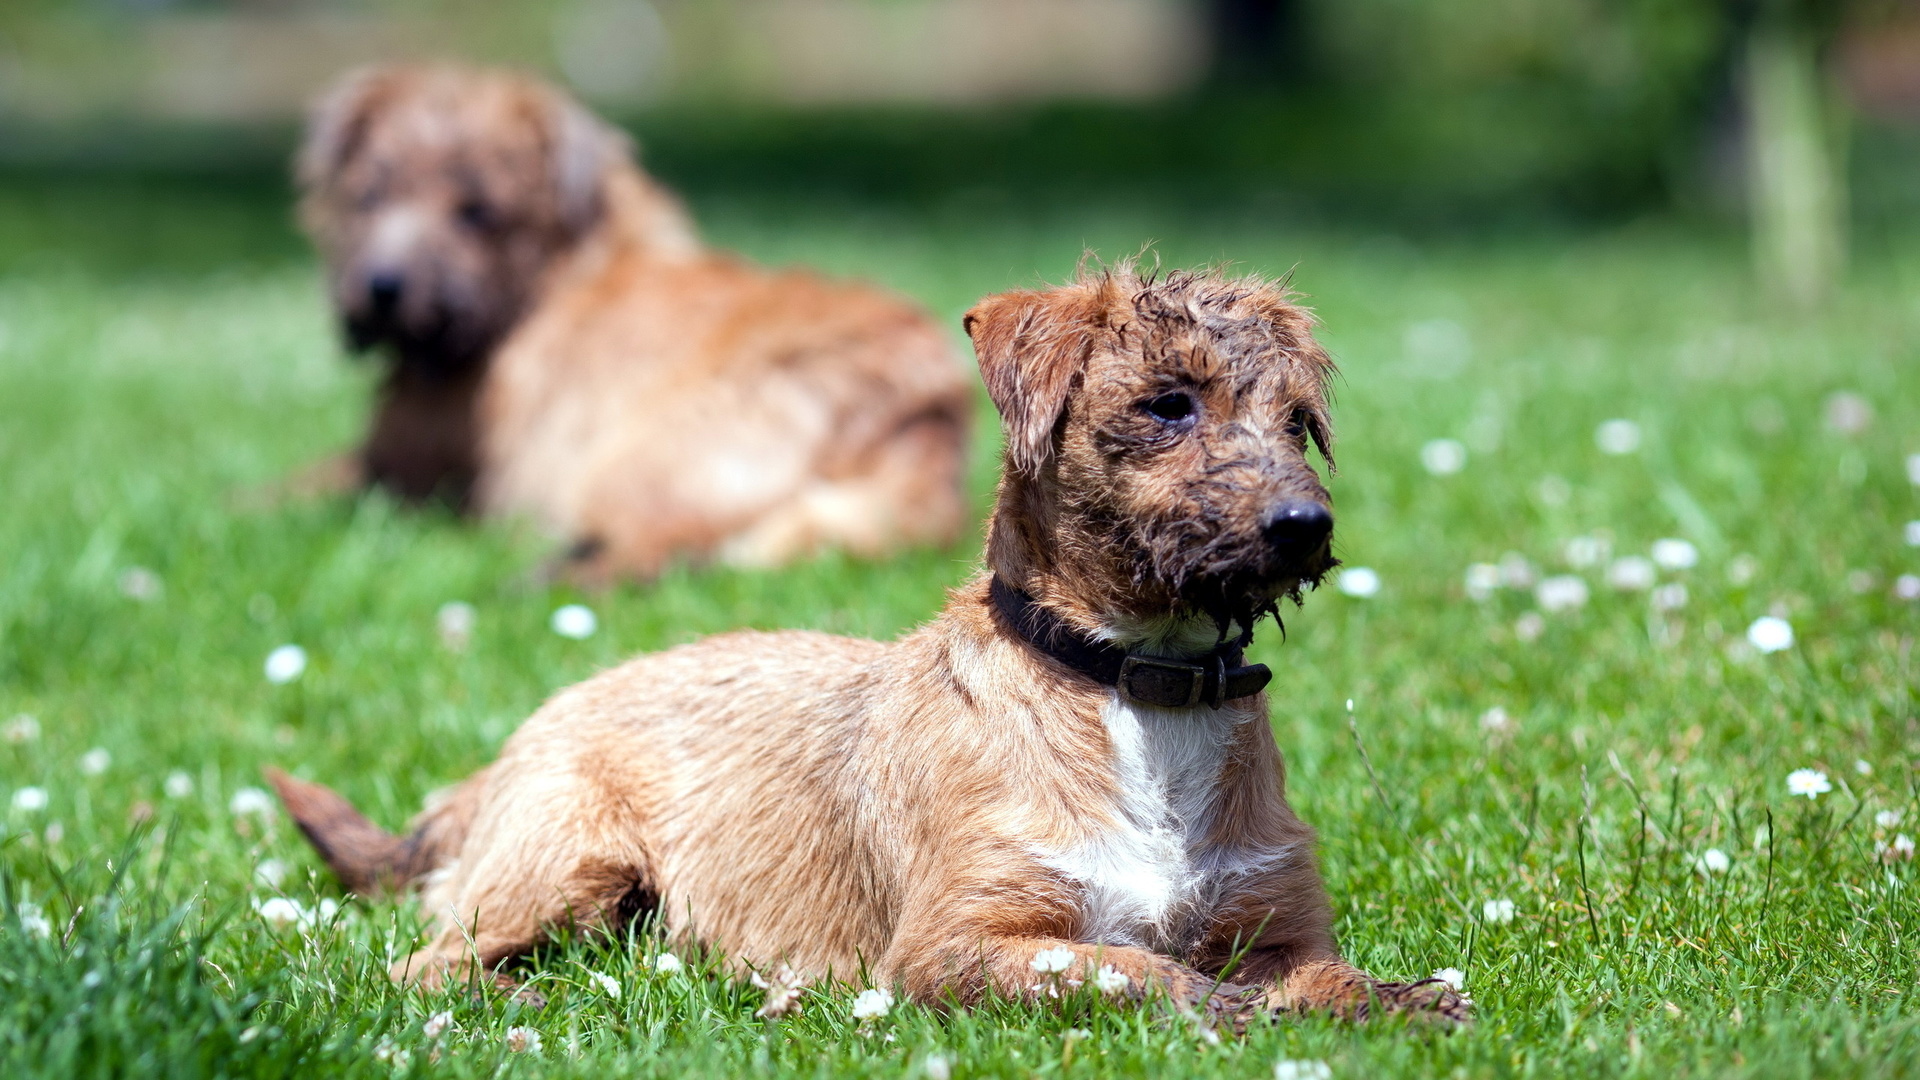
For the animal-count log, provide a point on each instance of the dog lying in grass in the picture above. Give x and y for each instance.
(562, 349)
(1069, 773)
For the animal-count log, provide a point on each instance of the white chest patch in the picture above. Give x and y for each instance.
(1143, 878)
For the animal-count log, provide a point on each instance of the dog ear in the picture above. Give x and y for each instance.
(337, 126)
(1032, 346)
(583, 149)
(1292, 328)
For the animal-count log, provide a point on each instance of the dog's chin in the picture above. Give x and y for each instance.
(442, 351)
(1242, 597)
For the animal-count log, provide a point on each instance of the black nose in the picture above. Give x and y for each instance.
(1298, 527)
(383, 290)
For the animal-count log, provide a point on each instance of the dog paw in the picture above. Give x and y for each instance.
(1429, 1000)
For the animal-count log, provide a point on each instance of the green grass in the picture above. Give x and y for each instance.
(152, 370)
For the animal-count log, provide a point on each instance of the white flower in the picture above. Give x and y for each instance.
(1901, 848)
(1289, 1069)
(1617, 437)
(1913, 468)
(1913, 534)
(1809, 782)
(523, 1040)
(1712, 861)
(1497, 721)
(1675, 554)
(455, 621)
(1360, 581)
(22, 728)
(1553, 491)
(1443, 457)
(139, 583)
(1670, 597)
(95, 761)
(1560, 593)
(667, 964)
(1053, 961)
(270, 873)
(576, 621)
(30, 800)
(1849, 413)
(250, 801)
(1770, 634)
(1109, 981)
(938, 1068)
(1583, 552)
(1529, 626)
(1907, 587)
(280, 911)
(1631, 573)
(1863, 767)
(607, 983)
(1742, 569)
(178, 785)
(387, 1053)
(436, 1024)
(1436, 348)
(872, 1004)
(1453, 977)
(33, 920)
(1516, 572)
(783, 991)
(1887, 819)
(1482, 579)
(285, 664)
(1497, 911)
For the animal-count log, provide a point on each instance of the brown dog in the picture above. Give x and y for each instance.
(1072, 760)
(562, 350)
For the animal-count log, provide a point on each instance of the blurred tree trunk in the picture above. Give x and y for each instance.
(1796, 181)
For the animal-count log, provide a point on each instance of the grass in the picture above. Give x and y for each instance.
(152, 370)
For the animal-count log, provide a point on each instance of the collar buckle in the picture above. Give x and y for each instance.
(1170, 684)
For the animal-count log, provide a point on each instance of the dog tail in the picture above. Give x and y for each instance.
(366, 858)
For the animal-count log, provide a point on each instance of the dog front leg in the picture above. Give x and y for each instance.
(1316, 979)
(1038, 967)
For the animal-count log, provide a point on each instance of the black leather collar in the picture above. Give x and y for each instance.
(1217, 677)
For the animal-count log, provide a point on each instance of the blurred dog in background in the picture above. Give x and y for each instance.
(561, 348)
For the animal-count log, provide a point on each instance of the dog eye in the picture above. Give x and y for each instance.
(475, 214)
(1172, 408)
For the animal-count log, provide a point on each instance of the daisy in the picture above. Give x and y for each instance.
(1583, 552)
(783, 991)
(1907, 587)
(250, 801)
(523, 1040)
(270, 873)
(1359, 581)
(436, 1024)
(95, 761)
(938, 1068)
(872, 1004)
(285, 664)
(576, 621)
(1516, 572)
(1913, 533)
(1453, 977)
(139, 583)
(1482, 579)
(1809, 782)
(1529, 626)
(1901, 848)
(1849, 413)
(1675, 554)
(1770, 634)
(33, 920)
(1110, 982)
(1742, 569)
(1496, 721)
(1290, 1069)
(177, 785)
(1712, 861)
(30, 800)
(281, 911)
(667, 964)
(607, 983)
(1887, 819)
(1617, 437)
(1562, 592)
(1443, 457)
(1631, 573)
(455, 621)
(22, 728)
(1053, 961)
(1913, 468)
(1670, 597)
(1863, 767)
(1497, 911)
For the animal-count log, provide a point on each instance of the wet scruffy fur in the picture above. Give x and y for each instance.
(559, 347)
(937, 810)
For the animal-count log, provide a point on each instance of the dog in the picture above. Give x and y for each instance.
(1068, 774)
(562, 349)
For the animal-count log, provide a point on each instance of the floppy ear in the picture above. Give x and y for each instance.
(1292, 328)
(1032, 346)
(583, 149)
(337, 126)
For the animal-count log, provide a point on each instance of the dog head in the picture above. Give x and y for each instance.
(438, 196)
(1157, 434)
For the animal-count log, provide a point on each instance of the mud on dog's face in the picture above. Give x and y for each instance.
(1158, 432)
(438, 196)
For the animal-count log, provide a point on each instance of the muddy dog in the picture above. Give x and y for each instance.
(562, 349)
(1068, 774)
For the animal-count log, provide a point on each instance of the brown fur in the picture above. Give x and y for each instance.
(939, 809)
(563, 350)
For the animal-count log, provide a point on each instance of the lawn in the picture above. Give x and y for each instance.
(1534, 797)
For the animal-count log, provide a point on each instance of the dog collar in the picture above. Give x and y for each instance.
(1217, 677)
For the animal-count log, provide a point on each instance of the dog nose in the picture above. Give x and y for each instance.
(383, 290)
(1298, 527)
